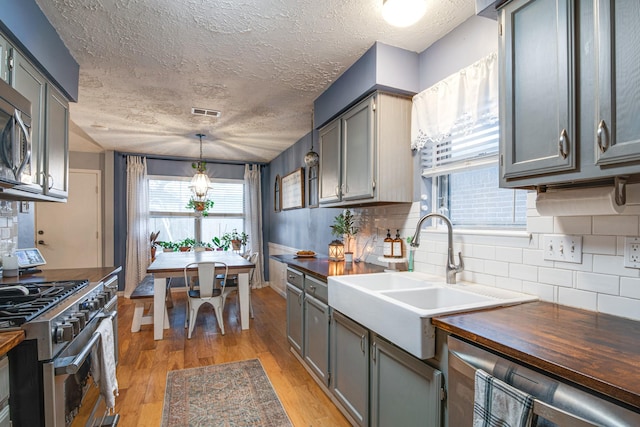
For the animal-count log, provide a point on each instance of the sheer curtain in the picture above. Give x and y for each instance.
(253, 218)
(462, 101)
(138, 252)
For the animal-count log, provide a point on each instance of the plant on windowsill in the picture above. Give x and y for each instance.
(220, 244)
(167, 246)
(186, 245)
(344, 225)
(200, 206)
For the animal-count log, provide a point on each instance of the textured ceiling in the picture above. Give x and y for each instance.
(145, 63)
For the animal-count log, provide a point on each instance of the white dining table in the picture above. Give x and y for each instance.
(172, 264)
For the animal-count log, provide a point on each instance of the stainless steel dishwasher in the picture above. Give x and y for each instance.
(556, 403)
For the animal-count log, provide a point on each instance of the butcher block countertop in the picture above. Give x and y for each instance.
(320, 266)
(9, 340)
(598, 351)
(91, 274)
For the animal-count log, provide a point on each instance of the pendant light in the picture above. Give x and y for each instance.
(312, 158)
(403, 13)
(200, 182)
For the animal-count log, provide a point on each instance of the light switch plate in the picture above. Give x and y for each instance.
(632, 252)
(565, 248)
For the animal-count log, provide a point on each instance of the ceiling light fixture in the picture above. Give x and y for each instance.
(200, 183)
(403, 13)
(312, 158)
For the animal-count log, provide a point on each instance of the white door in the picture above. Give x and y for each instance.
(68, 234)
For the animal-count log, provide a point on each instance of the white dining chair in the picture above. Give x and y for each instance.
(205, 292)
(232, 285)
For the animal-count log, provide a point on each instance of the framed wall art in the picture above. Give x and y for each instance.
(292, 190)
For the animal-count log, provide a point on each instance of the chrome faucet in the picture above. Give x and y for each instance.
(451, 268)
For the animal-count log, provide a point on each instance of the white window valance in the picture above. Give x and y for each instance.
(464, 100)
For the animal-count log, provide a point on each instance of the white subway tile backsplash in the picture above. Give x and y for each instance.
(542, 224)
(618, 225)
(630, 287)
(514, 260)
(619, 306)
(601, 245)
(578, 298)
(497, 268)
(523, 272)
(509, 254)
(572, 225)
(601, 283)
(606, 264)
(542, 291)
(555, 276)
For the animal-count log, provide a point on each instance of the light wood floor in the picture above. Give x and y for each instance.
(144, 363)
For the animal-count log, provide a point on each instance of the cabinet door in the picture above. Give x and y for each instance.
(294, 317)
(329, 142)
(404, 390)
(316, 337)
(537, 106)
(32, 85)
(56, 153)
(350, 367)
(5, 54)
(358, 146)
(618, 55)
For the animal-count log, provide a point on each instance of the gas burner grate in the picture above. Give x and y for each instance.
(19, 309)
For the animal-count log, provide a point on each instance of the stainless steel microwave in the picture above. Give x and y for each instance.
(15, 137)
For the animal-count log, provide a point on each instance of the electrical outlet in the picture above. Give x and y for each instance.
(632, 252)
(565, 248)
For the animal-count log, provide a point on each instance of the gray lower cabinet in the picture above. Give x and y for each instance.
(404, 390)
(295, 318)
(350, 367)
(316, 327)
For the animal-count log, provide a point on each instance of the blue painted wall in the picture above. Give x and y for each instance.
(26, 27)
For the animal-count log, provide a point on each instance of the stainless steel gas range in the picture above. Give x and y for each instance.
(49, 370)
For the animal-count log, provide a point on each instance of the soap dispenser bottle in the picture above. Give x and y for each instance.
(397, 245)
(387, 248)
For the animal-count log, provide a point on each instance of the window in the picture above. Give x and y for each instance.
(168, 212)
(455, 127)
(461, 174)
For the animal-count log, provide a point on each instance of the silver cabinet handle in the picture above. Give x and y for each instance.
(312, 288)
(362, 343)
(337, 191)
(373, 351)
(602, 134)
(563, 144)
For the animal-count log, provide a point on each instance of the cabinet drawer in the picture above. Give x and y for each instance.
(295, 278)
(316, 288)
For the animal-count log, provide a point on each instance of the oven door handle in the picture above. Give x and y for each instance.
(71, 364)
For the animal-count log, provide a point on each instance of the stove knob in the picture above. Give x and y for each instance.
(85, 305)
(81, 319)
(102, 300)
(75, 324)
(86, 314)
(63, 333)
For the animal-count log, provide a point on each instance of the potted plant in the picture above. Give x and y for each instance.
(220, 243)
(186, 245)
(344, 225)
(167, 246)
(152, 240)
(235, 239)
(200, 206)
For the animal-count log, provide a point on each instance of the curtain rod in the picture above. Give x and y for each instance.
(187, 159)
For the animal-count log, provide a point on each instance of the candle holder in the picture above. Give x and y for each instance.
(336, 251)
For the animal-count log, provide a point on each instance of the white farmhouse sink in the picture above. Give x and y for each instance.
(399, 306)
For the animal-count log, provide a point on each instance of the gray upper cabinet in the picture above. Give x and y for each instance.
(569, 101)
(5, 55)
(56, 148)
(364, 153)
(618, 76)
(537, 106)
(32, 85)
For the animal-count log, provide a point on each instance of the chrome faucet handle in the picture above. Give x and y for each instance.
(460, 265)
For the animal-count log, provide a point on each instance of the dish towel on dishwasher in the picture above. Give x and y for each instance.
(103, 364)
(497, 404)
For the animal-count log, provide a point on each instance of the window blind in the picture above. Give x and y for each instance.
(169, 196)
